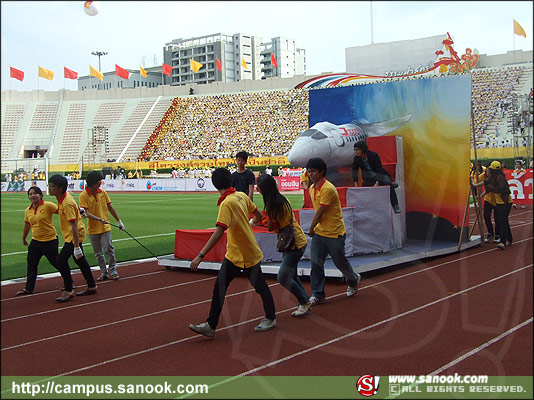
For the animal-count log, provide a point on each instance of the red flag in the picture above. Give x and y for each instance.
(219, 67)
(167, 69)
(273, 60)
(16, 73)
(70, 74)
(121, 72)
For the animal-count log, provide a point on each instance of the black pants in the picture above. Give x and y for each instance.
(488, 209)
(63, 263)
(36, 250)
(505, 233)
(384, 180)
(226, 274)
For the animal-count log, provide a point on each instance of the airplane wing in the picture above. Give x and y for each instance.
(384, 127)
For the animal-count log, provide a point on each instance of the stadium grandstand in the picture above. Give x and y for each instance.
(167, 123)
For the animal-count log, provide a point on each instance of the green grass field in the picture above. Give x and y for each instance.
(151, 218)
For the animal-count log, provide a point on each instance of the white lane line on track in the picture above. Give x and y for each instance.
(481, 347)
(77, 272)
(114, 240)
(108, 299)
(348, 335)
(472, 352)
(126, 320)
(308, 350)
(172, 286)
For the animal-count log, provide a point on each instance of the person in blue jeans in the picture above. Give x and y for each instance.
(328, 233)
(280, 215)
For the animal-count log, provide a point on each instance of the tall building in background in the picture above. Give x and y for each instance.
(241, 57)
(290, 60)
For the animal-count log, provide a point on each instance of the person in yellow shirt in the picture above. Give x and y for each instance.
(243, 254)
(280, 215)
(496, 183)
(73, 231)
(304, 180)
(96, 202)
(38, 218)
(327, 230)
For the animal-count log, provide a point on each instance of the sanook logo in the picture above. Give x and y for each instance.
(367, 385)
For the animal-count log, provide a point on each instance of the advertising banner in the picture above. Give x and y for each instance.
(288, 182)
(520, 185)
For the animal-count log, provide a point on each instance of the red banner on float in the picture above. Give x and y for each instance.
(288, 182)
(521, 185)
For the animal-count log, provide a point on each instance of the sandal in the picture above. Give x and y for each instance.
(23, 292)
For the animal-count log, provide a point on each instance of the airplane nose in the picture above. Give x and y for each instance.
(301, 152)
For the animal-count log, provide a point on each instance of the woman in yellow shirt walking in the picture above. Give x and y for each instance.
(38, 218)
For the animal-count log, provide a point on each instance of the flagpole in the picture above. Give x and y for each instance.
(513, 38)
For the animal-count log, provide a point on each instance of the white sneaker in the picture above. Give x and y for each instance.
(302, 309)
(204, 329)
(265, 325)
(314, 300)
(352, 290)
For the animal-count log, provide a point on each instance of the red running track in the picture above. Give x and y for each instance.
(468, 313)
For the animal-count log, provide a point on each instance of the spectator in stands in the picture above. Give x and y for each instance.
(268, 170)
(174, 173)
(243, 179)
(373, 173)
(243, 254)
(280, 215)
(97, 205)
(38, 218)
(73, 231)
(328, 233)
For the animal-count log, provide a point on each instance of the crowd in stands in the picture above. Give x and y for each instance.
(209, 127)
(268, 123)
(491, 94)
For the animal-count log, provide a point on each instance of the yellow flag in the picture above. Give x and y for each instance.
(518, 29)
(97, 74)
(244, 63)
(142, 71)
(46, 73)
(195, 66)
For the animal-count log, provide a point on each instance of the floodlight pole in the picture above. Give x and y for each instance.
(99, 54)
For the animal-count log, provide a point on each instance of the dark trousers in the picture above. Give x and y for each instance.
(384, 180)
(63, 263)
(488, 209)
(226, 274)
(505, 233)
(36, 250)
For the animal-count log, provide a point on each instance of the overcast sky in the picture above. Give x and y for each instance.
(56, 34)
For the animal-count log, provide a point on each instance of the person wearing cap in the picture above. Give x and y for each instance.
(497, 183)
(373, 173)
(490, 207)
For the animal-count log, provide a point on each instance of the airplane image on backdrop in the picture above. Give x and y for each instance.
(335, 145)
